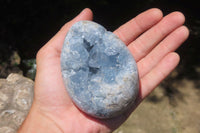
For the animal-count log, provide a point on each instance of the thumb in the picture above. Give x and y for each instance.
(54, 45)
(86, 14)
(58, 39)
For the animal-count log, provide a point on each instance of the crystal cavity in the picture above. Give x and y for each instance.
(99, 72)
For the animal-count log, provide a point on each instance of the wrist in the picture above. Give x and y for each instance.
(37, 122)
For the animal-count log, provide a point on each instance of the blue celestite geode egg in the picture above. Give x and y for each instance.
(99, 72)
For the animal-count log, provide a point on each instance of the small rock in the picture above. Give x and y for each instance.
(6, 130)
(16, 96)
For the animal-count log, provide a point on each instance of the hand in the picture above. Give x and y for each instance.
(150, 37)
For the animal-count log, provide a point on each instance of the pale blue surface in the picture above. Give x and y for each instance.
(99, 72)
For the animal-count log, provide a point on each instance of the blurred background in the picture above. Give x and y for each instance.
(25, 26)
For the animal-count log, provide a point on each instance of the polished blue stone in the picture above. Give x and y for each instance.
(99, 72)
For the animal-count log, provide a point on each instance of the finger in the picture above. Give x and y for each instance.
(130, 30)
(147, 41)
(58, 39)
(158, 73)
(169, 44)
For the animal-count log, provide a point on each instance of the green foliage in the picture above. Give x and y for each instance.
(31, 68)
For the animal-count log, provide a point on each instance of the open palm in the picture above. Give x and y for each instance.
(150, 37)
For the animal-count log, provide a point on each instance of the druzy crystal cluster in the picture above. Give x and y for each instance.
(99, 72)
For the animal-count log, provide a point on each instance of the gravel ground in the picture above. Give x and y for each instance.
(157, 114)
